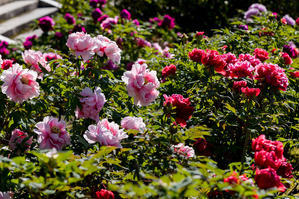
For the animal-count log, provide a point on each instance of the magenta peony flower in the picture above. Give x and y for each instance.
(287, 59)
(125, 14)
(96, 14)
(34, 59)
(81, 44)
(168, 70)
(133, 123)
(247, 57)
(106, 133)
(185, 151)
(46, 23)
(167, 21)
(142, 42)
(142, 84)
(52, 133)
(196, 55)
(108, 23)
(19, 84)
(51, 56)
(17, 137)
(241, 69)
(136, 22)
(273, 75)
(92, 103)
(78, 28)
(70, 19)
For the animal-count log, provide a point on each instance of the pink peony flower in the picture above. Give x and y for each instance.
(196, 55)
(6, 64)
(19, 84)
(142, 84)
(104, 45)
(17, 137)
(273, 75)
(106, 133)
(185, 151)
(81, 44)
(133, 123)
(108, 23)
(247, 57)
(92, 103)
(34, 59)
(52, 133)
(239, 84)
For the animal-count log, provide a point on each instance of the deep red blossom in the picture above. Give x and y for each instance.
(287, 59)
(202, 147)
(104, 194)
(285, 170)
(266, 159)
(268, 178)
(182, 106)
(7, 63)
(273, 75)
(295, 74)
(46, 23)
(297, 21)
(196, 55)
(250, 92)
(168, 70)
(214, 60)
(261, 143)
(261, 54)
(239, 84)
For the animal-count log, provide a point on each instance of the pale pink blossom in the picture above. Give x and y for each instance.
(135, 123)
(105, 46)
(17, 137)
(106, 133)
(185, 151)
(92, 103)
(141, 83)
(6, 195)
(81, 44)
(34, 59)
(52, 133)
(19, 84)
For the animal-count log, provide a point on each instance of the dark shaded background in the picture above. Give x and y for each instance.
(198, 15)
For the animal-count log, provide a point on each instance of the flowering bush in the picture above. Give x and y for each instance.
(107, 105)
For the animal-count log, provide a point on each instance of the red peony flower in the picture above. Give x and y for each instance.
(241, 69)
(202, 147)
(6, 64)
(196, 55)
(273, 75)
(266, 159)
(250, 92)
(183, 110)
(104, 194)
(214, 60)
(268, 178)
(287, 59)
(232, 179)
(168, 70)
(261, 54)
(295, 74)
(239, 84)
(285, 170)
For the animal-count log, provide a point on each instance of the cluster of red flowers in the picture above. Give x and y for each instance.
(182, 107)
(104, 194)
(245, 65)
(168, 70)
(271, 163)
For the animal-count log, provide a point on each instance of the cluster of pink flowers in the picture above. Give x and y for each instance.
(181, 106)
(17, 137)
(135, 123)
(91, 103)
(185, 151)
(19, 84)
(36, 58)
(164, 52)
(84, 45)
(141, 83)
(106, 133)
(271, 162)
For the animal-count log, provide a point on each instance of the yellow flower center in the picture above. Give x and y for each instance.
(55, 129)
